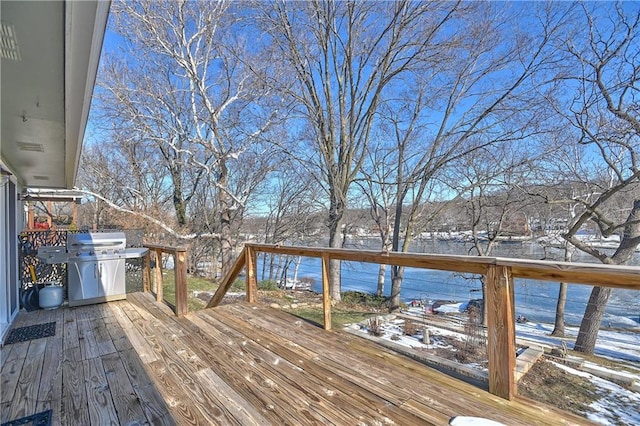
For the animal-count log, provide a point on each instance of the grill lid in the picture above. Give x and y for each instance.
(95, 243)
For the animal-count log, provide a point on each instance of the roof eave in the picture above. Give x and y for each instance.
(82, 57)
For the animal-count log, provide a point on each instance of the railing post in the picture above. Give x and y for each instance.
(501, 344)
(326, 298)
(180, 256)
(146, 272)
(250, 269)
(158, 275)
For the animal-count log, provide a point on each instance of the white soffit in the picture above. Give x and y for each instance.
(84, 34)
(50, 52)
(32, 85)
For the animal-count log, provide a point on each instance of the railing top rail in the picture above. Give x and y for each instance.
(164, 248)
(617, 276)
(470, 264)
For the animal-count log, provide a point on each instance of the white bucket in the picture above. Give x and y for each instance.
(51, 296)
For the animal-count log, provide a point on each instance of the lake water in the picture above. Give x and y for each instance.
(535, 300)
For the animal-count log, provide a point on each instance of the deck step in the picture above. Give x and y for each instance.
(526, 360)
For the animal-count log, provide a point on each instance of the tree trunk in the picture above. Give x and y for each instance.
(586, 341)
(386, 246)
(226, 240)
(295, 271)
(179, 206)
(381, 272)
(95, 218)
(272, 266)
(335, 277)
(397, 274)
(263, 271)
(226, 245)
(336, 211)
(558, 329)
(278, 271)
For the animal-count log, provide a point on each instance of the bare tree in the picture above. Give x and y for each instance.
(602, 107)
(557, 195)
(380, 195)
(291, 204)
(489, 183)
(290, 198)
(342, 57)
(477, 93)
(125, 174)
(190, 89)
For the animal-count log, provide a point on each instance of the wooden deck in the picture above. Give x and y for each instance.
(134, 362)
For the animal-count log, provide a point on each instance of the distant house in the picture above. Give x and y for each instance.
(516, 224)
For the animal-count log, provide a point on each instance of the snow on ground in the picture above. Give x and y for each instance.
(616, 345)
(451, 308)
(392, 330)
(613, 344)
(618, 405)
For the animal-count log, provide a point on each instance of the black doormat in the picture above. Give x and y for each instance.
(22, 334)
(40, 419)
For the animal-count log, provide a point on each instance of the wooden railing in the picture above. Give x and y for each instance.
(180, 263)
(499, 297)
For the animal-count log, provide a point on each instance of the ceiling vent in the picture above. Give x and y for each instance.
(8, 43)
(31, 147)
(37, 177)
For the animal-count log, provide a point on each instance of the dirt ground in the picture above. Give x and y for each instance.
(549, 384)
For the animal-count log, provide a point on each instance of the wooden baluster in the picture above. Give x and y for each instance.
(146, 272)
(250, 269)
(158, 275)
(180, 256)
(326, 298)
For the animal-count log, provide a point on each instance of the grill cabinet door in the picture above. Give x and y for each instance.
(96, 279)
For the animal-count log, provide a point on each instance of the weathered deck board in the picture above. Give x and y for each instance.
(391, 374)
(256, 381)
(154, 407)
(142, 346)
(104, 340)
(88, 344)
(134, 362)
(126, 403)
(312, 376)
(348, 362)
(234, 369)
(277, 382)
(74, 408)
(99, 399)
(71, 338)
(50, 387)
(395, 388)
(119, 338)
(88, 373)
(13, 359)
(26, 391)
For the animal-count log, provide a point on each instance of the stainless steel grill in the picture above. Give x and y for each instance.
(95, 265)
